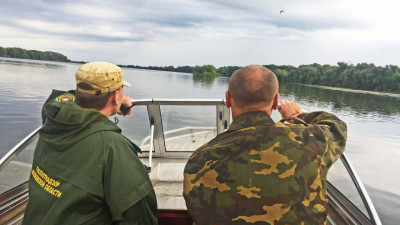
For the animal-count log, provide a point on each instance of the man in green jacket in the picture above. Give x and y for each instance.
(262, 172)
(84, 170)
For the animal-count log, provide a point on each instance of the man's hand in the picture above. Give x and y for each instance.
(127, 101)
(289, 109)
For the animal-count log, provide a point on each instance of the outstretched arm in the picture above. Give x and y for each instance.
(331, 129)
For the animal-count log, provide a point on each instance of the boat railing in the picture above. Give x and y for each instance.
(373, 215)
(7, 158)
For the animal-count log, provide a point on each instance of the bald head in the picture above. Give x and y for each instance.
(253, 86)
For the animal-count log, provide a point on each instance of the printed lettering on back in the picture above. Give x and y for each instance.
(47, 183)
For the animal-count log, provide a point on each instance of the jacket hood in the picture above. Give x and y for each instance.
(67, 123)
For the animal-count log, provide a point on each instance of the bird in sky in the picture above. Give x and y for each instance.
(280, 12)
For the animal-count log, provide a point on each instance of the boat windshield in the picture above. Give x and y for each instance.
(184, 128)
(180, 127)
(188, 128)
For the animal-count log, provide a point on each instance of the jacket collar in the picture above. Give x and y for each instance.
(250, 119)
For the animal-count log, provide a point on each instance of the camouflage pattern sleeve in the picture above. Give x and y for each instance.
(335, 132)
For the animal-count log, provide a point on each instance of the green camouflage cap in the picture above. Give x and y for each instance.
(104, 77)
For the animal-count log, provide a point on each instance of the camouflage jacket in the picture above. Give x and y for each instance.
(262, 172)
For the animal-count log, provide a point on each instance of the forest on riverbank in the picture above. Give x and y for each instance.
(362, 76)
(21, 53)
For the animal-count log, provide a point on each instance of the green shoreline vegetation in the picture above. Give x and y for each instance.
(362, 76)
(21, 53)
(205, 73)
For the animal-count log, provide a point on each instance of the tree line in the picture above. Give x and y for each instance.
(196, 70)
(362, 76)
(32, 54)
(182, 69)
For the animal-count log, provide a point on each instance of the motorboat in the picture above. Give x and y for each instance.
(165, 150)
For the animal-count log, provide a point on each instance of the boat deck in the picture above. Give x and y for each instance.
(167, 178)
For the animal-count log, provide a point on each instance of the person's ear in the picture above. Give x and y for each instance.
(275, 101)
(228, 99)
(114, 98)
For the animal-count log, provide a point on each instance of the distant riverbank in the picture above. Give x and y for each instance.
(20, 53)
(362, 76)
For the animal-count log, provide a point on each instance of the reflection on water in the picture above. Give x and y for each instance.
(206, 81)
(373, 120)
(360, 103)
(30, 63)
(386, 204)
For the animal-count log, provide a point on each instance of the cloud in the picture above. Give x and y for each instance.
(191, 30)
(145, 20)
(83, 32)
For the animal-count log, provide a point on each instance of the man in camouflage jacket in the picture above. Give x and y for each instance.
(259, 171)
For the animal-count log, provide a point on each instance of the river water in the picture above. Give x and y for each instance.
(373, 119)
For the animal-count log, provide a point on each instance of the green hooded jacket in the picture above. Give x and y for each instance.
(85, 172)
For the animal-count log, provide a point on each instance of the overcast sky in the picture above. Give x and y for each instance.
(197, 32)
